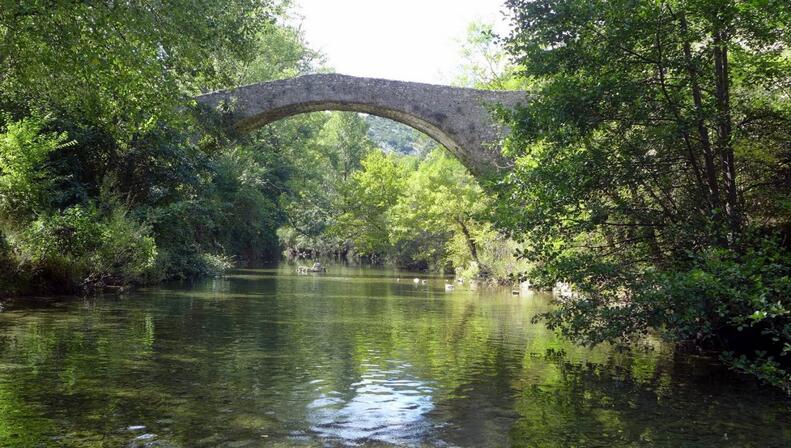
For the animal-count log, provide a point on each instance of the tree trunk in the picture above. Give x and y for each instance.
(703, 133)
(470, 242)
(724, 129)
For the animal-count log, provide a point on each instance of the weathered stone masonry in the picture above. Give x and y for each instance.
(458, 118)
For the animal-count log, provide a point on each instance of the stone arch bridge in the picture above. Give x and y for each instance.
(460, 119)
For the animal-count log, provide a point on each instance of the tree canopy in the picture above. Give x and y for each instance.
(652, 169)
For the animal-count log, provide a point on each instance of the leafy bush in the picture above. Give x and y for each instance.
(24, 181)
(71, 233)
(742, 305)
(81, 248)
(497, 255)
(214, 265)
(126, 250)
(7, 268)
(188, 262)
(736, 302)
(128, 114)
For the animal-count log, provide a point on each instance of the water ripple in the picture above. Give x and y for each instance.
(388, 405)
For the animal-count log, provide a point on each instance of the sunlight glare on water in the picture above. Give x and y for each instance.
(386, 405)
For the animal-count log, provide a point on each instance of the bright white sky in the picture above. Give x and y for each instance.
(408, 40)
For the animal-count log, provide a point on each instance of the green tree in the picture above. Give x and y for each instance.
(366, 201)
(117, 79)
(323, 163)
(393, 136)
(25, 185)
(122, 65)
(345, 140)
(654, 154)
(485, 63)
(442, 197)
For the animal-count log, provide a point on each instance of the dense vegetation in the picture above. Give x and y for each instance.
(105, 181)
(652, 171)
(422, 211)
(380, 192)
(102, 179)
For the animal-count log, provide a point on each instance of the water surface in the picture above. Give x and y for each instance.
(353, 357)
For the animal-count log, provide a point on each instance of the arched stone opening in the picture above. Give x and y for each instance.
(458, 118)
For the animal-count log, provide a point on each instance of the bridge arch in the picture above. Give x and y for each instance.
(458, 118)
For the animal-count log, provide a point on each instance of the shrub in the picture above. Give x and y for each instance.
(742, 304)
(736, 301)
(126, 251)
(81, 248)
(188, 262)
(24, 181)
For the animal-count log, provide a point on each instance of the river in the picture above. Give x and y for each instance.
(353, 357)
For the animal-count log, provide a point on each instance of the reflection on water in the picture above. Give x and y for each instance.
(350, 358)
(386, 405)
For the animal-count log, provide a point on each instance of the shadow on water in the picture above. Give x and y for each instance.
(354, 357)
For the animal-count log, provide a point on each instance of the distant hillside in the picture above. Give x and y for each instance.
(393, 136)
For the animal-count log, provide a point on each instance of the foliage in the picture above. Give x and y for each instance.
(81, 248)
(485, 64)
(7, 269)
(368, 197)
(248, 212)
(344, 139)
(126, 251)
(55, 244)
(280, 52)
(123, 65)
(322, 164)
(392, 136)
(24, 151)
(442, 197)
(142, 191)
(497, 261)
(652, 168)
(421, 214)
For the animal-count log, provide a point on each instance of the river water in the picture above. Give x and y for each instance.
(353, 357)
